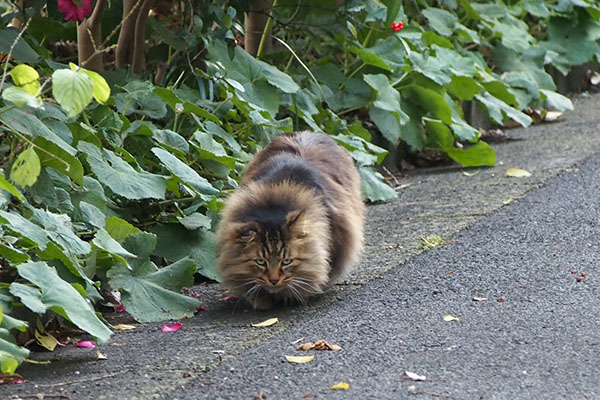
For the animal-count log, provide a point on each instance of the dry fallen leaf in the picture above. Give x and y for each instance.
(341, 386)
(264, 324)
(124, 327)
(47, 341)
(553, 116)
(517, 173)
(299, 359)
(414, 377)
(100, 356)
(318, 345)
(595, 79)
(449, 318)
(477, 298)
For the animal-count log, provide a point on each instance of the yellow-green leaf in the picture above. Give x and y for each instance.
(299, 359)
(124, 327)
(341, 386)
(26, 78)
(26, 168)
(101, 89)
(268, 322)
(517, 173)
(47, 341)
(449, 318)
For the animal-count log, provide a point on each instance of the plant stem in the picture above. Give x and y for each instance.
(263, 38)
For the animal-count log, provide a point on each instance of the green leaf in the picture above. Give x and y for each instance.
(464, 87)
(7, 186)
(171, 140)
(440, 20)
(146, 289)
(11, 355)
(373, 186)
(370, 58)
(119, 229)
(430, 101)
(21, 97)
(21, 51)
(176, 242)
(73, 90)
(121, 177)
(196, 221)
(25, 228)
(92, 215)
(139, 97)
(105, 242)
(497, 108)
(31, 297)
(58, 227)
(26, 78)
(63, 298)
(556, 100)
(210, 149)
(188, 176)
(55, 156)
(26, 168)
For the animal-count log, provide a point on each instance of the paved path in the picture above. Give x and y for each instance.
(541, 341)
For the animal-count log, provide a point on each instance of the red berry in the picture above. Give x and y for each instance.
(573, 271)
(397, 26)
(584, 274)
(579, 279)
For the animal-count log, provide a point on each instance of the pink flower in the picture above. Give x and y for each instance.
(86, 344)
(172, 327)
(397, 26)
(202, 308)
(71, 11)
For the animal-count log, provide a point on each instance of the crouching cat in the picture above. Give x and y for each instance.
(295, 225)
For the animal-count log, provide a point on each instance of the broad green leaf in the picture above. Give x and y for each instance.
(9, 323)
(121, 177)
(11, 355)
(188, 176)
(497, 108)
(7, 186)
(21, 51)
(430, 67)
(119, 229)
(31, 297)
(440, 20)
(73, 90)
(105, 242)
(196, 221)
(463, 87)
(388, 98)
(370, 58)
(64, 299)
(210, 149)
(59, 228)
(246, 69)
(26, 78)
(146, 290)
(556, 100)
(12, 254)
(26, 168)
(55, 156)
(139, 97)
(92, 215)
(387, 123)
(20, 97)
(25, 228)
(176, 242)
(171, 140)
(373, 186)
(430, 101)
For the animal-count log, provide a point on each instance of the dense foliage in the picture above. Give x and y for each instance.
(118, 185)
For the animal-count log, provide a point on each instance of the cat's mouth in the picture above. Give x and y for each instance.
(274, 288)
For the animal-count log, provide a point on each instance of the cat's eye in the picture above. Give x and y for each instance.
(261, 261)
(287, 261)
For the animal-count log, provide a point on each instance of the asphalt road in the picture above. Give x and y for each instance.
(511, 239)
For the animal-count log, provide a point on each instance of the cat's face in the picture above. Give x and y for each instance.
(283, 262)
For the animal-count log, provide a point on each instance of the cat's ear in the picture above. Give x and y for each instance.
(294, 221)
(245, 233)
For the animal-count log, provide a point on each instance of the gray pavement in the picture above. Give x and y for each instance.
(512, 241)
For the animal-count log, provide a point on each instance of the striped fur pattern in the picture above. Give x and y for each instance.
(295, 225)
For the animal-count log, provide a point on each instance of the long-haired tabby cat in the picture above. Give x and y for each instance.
(295, 225)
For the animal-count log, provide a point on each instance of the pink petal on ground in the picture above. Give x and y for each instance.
(202, 308)
(17, 381)
(228, 297)
(86, 344)
(172, 327)
(194, 295)
(120, 308)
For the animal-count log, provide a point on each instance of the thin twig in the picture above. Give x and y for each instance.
(96, 378)
(12, 47)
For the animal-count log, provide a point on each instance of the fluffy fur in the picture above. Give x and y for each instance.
(295, 225)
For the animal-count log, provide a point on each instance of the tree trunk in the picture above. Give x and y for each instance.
(89, 39)
(138, 63)
(255, 22)
(124, 51)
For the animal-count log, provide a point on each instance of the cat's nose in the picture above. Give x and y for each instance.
(274, 281)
